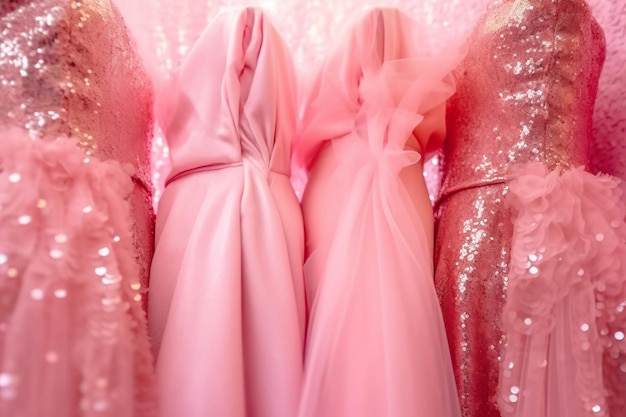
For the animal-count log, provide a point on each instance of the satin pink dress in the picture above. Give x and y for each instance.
(530, 251)
(226, 308)
(376, 345)
(76, 220)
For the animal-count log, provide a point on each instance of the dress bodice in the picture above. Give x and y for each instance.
(525, 92)
(233, 99)
(68, 68)
(377, 84)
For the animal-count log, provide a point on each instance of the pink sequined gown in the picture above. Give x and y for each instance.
(376, 345)
(226, 308)
(75, 213)
(530, 255)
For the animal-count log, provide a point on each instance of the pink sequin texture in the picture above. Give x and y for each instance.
(514, 105)
(69, 68)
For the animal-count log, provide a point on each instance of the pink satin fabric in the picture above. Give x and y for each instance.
(376, 344)
(226, 310)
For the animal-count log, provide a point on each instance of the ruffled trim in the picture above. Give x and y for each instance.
(73, 337)
(381, 71)
(564, 314)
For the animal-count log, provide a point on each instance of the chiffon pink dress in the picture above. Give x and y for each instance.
(226, 310)
(376, 344)
(530, 251)
(76, 217)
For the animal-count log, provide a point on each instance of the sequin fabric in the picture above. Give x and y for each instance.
(75, 127)
(69, 68)
(515, 104)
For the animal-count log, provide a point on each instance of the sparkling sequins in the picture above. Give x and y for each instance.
(515, 110)
(24, 220)
(60, 293)
(52, 357)
(61, 74)
(6, 380)
(37, 294)
(54, 57)
(111, 279)
(60, 238)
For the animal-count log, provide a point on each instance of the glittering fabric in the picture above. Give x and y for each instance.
(515, 103)
(564, 318)
(60, 76)
(75, 123)
(73, 339)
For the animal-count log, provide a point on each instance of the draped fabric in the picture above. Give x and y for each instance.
(73, 340)
(566, 297)
(375, 335)
(167, 29)
(226, 311)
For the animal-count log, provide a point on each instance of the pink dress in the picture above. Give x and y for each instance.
(226, 308)
(376, 344)
(75, 213)
(531, 252)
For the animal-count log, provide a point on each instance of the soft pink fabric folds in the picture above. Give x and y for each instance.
(226, 308)
(376, 344)
(383, 70)
(73, 337)
(564, 316)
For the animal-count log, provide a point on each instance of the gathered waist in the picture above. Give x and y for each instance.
(213, 167)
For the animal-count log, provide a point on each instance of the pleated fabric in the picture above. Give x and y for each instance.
(226, 309)
(376, 344)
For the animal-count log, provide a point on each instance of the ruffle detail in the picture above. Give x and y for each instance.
(564, 315)
(73, 339)
(391, 81)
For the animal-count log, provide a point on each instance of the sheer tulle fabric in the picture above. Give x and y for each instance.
(564, 315)
(73, 340)
(227, 300)
(376, 344)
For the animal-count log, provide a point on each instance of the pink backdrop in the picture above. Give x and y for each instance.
(166, 29)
